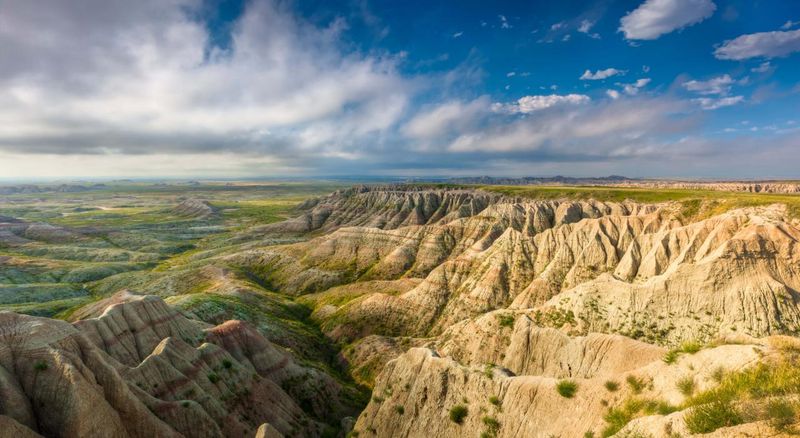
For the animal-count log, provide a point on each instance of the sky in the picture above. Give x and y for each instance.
(270, 88)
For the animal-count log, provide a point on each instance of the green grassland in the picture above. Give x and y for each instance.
(123, 231)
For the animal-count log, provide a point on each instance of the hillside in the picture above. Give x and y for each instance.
(644, 312)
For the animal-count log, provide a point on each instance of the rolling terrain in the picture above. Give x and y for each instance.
(400, 311)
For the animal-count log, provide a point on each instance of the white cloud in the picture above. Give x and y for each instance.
(654, 18)
(614, 94)
(458, 34)
(708, 103)
(443, 118)
(558, 25)
(117, 78)
(762, 68)
(633, 88)
(600, 74)
(610, 128)
(585, 26)
(511, 74)
(790, 24)
(760, 45)
(566, 37)
(504, 22)
(718, 85)
(529, 104)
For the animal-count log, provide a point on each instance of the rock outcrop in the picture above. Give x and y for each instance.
(142, 369)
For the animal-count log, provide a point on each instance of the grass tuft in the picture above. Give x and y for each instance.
(458, 413)
(567, 388)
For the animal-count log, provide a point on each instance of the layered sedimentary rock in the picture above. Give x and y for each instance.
(143, 369)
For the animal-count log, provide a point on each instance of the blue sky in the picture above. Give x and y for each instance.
(229, 88)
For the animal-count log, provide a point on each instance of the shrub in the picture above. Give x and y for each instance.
(494, 400)
(567, 388)
(400, 410)
(619, 416)
(611, 385)
(711, 416)
(40, 365)
(718, 374)
(492, 426)
(227, 364)
(458, 413)
(691, 347)
(377, 399)
(506, 320)
(671, 357)
(636, 384)
(781, 414)
(686, 385)
(213, 377)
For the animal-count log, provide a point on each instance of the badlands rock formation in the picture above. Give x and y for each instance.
(141, 369)
(467, 313)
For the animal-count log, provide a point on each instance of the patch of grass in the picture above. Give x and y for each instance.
(506, 320)
(458, 413)
(711, 416)
(567, 388)
(686, 385)
(611, 385)
(213, 378)
(400, 410)
(494, 400)
(781, 414)
(621, 415)
(671, 357)
(636, 384)
(691, 347)
(752, 394)
(492, 426)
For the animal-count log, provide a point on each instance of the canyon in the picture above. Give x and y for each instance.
(411, 310)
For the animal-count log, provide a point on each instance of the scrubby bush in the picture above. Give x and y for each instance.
(686, 385)
(458, 413)
(636, 384)
(781, 414)
(567, 388)
(506, 320)
(213, 377)
(492, 427)
(611, 385)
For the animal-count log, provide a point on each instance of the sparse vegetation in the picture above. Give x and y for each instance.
(400, 409)
(686, 385)
(458, 413)
(492, 426)
(213, 378)
(567, 388)
(620, 416)
(611, 385)
(40, 365)
(636, 384)
(506, 320)
(494, 400)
